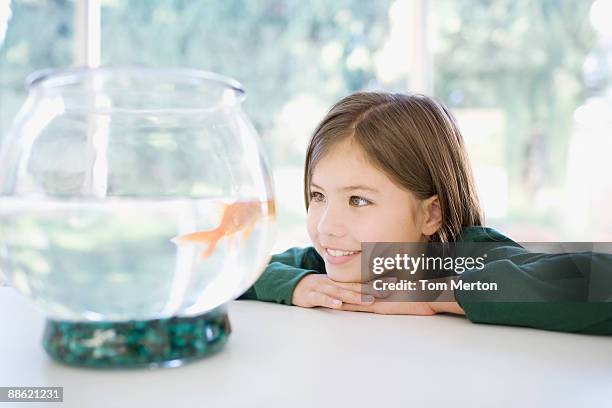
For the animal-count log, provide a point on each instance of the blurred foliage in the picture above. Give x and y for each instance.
(524, 57)
(272, 46)
(40, 35)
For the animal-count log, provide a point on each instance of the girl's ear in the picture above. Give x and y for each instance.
(432, 215)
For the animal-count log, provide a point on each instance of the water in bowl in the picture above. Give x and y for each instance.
(115, 259)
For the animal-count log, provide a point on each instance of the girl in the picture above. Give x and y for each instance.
(393, 168)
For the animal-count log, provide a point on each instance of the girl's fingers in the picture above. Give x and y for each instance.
(396, 308)
(357, 308)
(366, 288)
(347, 296)
(321, 299)
(352, 286)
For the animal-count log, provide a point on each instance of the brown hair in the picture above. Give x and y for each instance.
(412, 138)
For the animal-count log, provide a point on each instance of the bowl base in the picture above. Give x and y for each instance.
(148, 343)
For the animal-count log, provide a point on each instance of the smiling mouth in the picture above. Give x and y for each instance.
(336, 253)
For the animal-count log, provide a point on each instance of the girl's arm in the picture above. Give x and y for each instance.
(569, 292)
(297, 277)
(282, 274)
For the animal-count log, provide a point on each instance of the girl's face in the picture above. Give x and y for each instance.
(351, 202)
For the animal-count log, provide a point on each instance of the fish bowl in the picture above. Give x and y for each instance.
(134, 204)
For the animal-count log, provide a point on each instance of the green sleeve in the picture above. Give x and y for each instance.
(281, 276)
(564, 292)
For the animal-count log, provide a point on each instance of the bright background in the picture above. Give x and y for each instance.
(529, 81)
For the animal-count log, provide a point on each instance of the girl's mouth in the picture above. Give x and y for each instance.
(338, 256)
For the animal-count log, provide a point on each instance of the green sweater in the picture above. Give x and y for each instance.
(563, 303)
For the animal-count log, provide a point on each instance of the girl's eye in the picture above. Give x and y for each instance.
(359, 201)
(316, 196)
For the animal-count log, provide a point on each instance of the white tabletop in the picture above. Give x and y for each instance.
(292, 357)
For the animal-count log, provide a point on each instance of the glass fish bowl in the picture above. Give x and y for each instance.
(134, 204)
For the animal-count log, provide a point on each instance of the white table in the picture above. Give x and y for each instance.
(292, 357)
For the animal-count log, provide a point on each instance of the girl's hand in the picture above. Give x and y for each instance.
(445, 303)
(412, 308)
(318, 290)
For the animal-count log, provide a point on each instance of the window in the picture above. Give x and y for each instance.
(529, 82)
(34, 34)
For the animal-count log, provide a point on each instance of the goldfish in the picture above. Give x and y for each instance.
(237, 217)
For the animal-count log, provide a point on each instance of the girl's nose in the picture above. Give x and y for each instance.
(331, 222)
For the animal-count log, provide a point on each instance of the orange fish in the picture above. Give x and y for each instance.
(239, 216)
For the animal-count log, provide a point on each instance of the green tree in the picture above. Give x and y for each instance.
(526, 58)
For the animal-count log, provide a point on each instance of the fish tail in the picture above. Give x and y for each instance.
(209, 238)
(247, 231)
(197, 237)
(211, 247)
